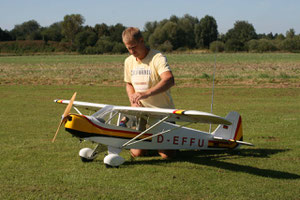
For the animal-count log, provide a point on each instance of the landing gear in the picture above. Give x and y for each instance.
(113, 160)
(83, 159)
(109, 166)
(88, 154)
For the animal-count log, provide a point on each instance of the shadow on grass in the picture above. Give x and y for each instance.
(216, 159)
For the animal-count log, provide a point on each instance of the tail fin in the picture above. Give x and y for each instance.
(234, 131)
(229, 136)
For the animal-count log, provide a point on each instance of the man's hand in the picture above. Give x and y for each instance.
(136, 105)
(136, 97)
(166, 82)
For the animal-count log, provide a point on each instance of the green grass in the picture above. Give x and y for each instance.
(172, 58)
(63, 59)
(240, 69)
(34, 168)
(263, 88)
(235, 58)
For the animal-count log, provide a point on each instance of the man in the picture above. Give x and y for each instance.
(148, 78)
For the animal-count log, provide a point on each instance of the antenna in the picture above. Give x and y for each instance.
(213, 87)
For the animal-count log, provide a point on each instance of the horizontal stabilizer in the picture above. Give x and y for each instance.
(232, 141)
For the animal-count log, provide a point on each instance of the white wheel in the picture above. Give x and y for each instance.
(85, 155)
(113, 160)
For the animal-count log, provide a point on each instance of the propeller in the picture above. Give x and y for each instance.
(64, 116)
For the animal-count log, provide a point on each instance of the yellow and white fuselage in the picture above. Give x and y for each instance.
(161, 134)
(92, 129)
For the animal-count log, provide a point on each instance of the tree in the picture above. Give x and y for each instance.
(72, 25)
(290, 33)
(280, 37)
(104, 45)
(149, 29)
(261, 45)
(186, 26)
(291, 44)
(241, 33)
(270, 36)
(206, 31)
(217, 46)
(4, 35)
(115, 32)
(169, 31)
(84, 39)
(53, 32)
(233, 45)
(174, 19)
(26, 30)
(101, 30)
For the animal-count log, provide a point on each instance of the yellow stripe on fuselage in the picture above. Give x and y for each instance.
(83, 124)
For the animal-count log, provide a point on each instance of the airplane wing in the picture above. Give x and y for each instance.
(86, 105)
(159, 113)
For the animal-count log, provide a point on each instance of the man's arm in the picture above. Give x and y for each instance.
(166, 82)
(130, 91)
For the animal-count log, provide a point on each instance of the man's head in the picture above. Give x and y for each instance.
(131, 34)
(134, 42)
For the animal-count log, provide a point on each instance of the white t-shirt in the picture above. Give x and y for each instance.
(145, 74)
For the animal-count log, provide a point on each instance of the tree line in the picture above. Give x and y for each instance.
(175, 33)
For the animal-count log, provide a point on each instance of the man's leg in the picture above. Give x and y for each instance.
(139, 152)
(166, 154)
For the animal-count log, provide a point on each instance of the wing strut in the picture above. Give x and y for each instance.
(77, 110)
(160, 133)
(145, 131)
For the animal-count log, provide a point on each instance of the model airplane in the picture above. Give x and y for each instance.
(104, 128)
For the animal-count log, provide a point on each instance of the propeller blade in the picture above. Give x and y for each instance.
(68, 109)
(66, 113)
(61, 122)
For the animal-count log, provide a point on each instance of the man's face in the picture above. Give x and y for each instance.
(135, 48)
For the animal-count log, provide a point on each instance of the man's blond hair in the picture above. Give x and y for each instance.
(131, 34)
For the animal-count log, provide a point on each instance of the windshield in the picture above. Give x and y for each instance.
(107, 115)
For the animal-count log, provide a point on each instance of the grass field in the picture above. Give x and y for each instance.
(34, 168)
(190, 70)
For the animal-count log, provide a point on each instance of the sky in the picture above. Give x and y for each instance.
(276, 16)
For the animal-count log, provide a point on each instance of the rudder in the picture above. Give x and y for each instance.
(234, 131)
